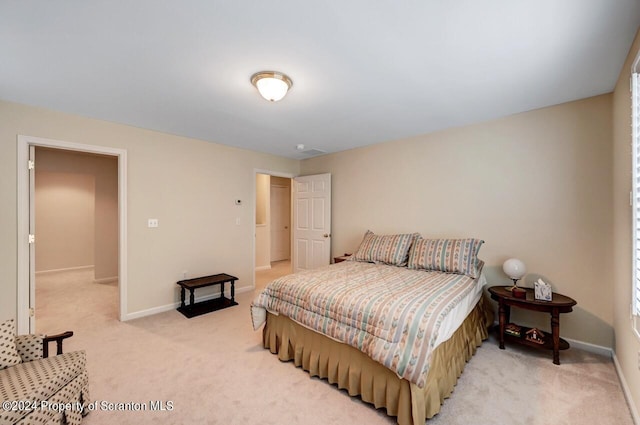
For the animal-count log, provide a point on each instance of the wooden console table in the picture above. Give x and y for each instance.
(202, 307)
(558, 304)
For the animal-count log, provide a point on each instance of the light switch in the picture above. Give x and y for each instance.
(153, 222)
(237, 221)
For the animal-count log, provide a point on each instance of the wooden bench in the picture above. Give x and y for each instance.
(202, 307)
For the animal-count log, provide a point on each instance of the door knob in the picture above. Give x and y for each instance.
(286, 227)
(326, 235)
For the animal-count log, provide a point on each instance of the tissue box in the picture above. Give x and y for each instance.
(542, 290)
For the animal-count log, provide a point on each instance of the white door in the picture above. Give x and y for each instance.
(280, 220)
(311, 221)
(32, 245)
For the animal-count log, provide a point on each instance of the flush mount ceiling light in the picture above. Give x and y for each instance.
(272, 85)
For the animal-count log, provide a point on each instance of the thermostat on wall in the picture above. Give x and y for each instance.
(238, 202)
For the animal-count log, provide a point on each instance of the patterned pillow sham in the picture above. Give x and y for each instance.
(447, 255)
(8, 352)
(386, 249)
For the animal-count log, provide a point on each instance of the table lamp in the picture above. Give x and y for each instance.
(515, 269)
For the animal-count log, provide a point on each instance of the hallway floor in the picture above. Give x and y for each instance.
(66, 298)
(278, 268)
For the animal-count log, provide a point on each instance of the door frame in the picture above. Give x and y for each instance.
(24, 285)
(257, 171)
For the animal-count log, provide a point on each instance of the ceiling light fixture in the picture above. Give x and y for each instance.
(272, 85)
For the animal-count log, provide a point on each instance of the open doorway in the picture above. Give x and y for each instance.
(26, 320)
(76, 253)
(273, 228)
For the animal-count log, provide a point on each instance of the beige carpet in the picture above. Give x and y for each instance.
(214, 371)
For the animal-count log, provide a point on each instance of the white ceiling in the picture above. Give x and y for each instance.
(363, 72)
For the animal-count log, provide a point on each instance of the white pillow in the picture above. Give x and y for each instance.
(8, 352)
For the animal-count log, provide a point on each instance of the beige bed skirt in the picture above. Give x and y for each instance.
(352, 370)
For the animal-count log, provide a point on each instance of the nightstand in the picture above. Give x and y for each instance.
(559, 304)
(341, 259)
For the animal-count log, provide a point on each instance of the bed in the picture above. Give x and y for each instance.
(395, 325)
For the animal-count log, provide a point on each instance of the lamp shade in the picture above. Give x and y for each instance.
(271, 85)
(514, 268)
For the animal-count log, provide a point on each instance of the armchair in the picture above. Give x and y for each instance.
(36, 388)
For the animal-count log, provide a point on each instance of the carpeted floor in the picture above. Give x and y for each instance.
(214, 370)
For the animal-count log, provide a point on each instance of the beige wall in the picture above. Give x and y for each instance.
(263, 228)
(65, 205)
(262, 198)
(76, 225)
(106, 218)
(189, 185)
(627, 344)
(281, 181)
(536, 186)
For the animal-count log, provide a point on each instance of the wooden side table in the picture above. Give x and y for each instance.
(558, 304)
(202, 307)
(337, 260)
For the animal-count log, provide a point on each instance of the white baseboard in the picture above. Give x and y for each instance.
(626, 391)
(263, 268)
(106, 279)
(173, 306)
(68, 269)
(592, 348)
